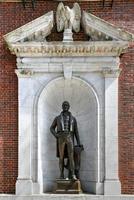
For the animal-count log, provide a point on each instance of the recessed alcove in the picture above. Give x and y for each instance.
(84, 106)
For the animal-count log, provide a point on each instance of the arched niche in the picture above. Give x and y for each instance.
(85, 107)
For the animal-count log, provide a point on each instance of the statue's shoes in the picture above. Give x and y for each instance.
(62, 177)
(74, 178)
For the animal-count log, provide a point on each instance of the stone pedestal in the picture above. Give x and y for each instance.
(68, 35)
(67, 187)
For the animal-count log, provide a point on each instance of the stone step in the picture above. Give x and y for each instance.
(66, 197)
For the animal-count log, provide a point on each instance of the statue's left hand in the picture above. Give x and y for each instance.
(81, 146)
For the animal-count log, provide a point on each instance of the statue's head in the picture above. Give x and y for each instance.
(65, 106)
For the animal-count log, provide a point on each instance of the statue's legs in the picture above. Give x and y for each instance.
(61, 146)
(70, 150)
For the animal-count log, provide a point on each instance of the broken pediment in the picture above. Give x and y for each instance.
(100, 30)
(104, 38)
(36, 30)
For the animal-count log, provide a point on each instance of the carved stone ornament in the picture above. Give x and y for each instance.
(70, 49)
(104, 38)
(111, 73)
(67, 18)
(24, 72)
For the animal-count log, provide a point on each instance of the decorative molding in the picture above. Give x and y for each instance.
(38, 49)
(67, 66)
(24, 73)
(111, 73)
(76, 64)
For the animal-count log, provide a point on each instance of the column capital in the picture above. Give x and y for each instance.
(24, 73)
(111, 73)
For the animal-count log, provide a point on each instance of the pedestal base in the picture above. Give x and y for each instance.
(112, 187)
(68, 187)
(24, 187)
(68, 35)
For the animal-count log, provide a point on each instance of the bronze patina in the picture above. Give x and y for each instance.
(65, 130)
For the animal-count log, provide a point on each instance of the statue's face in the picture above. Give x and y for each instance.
(65, 106)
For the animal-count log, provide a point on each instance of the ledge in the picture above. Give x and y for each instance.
(67, 197)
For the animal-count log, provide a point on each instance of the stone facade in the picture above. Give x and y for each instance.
(28, 73)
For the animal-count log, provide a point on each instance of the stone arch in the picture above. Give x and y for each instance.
(85, 107)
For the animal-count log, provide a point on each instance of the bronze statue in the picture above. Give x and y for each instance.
(64, 128)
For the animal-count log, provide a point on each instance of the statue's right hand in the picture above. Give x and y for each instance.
(58, 134)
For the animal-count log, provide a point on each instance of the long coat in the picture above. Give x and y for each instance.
(57, 126)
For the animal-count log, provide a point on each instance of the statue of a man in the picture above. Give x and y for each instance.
(64, 128)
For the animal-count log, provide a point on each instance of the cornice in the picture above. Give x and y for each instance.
(48, 49)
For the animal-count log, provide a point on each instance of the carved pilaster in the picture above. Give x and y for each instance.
(111, 183)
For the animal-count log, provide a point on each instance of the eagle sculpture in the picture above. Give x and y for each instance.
(67, 18)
